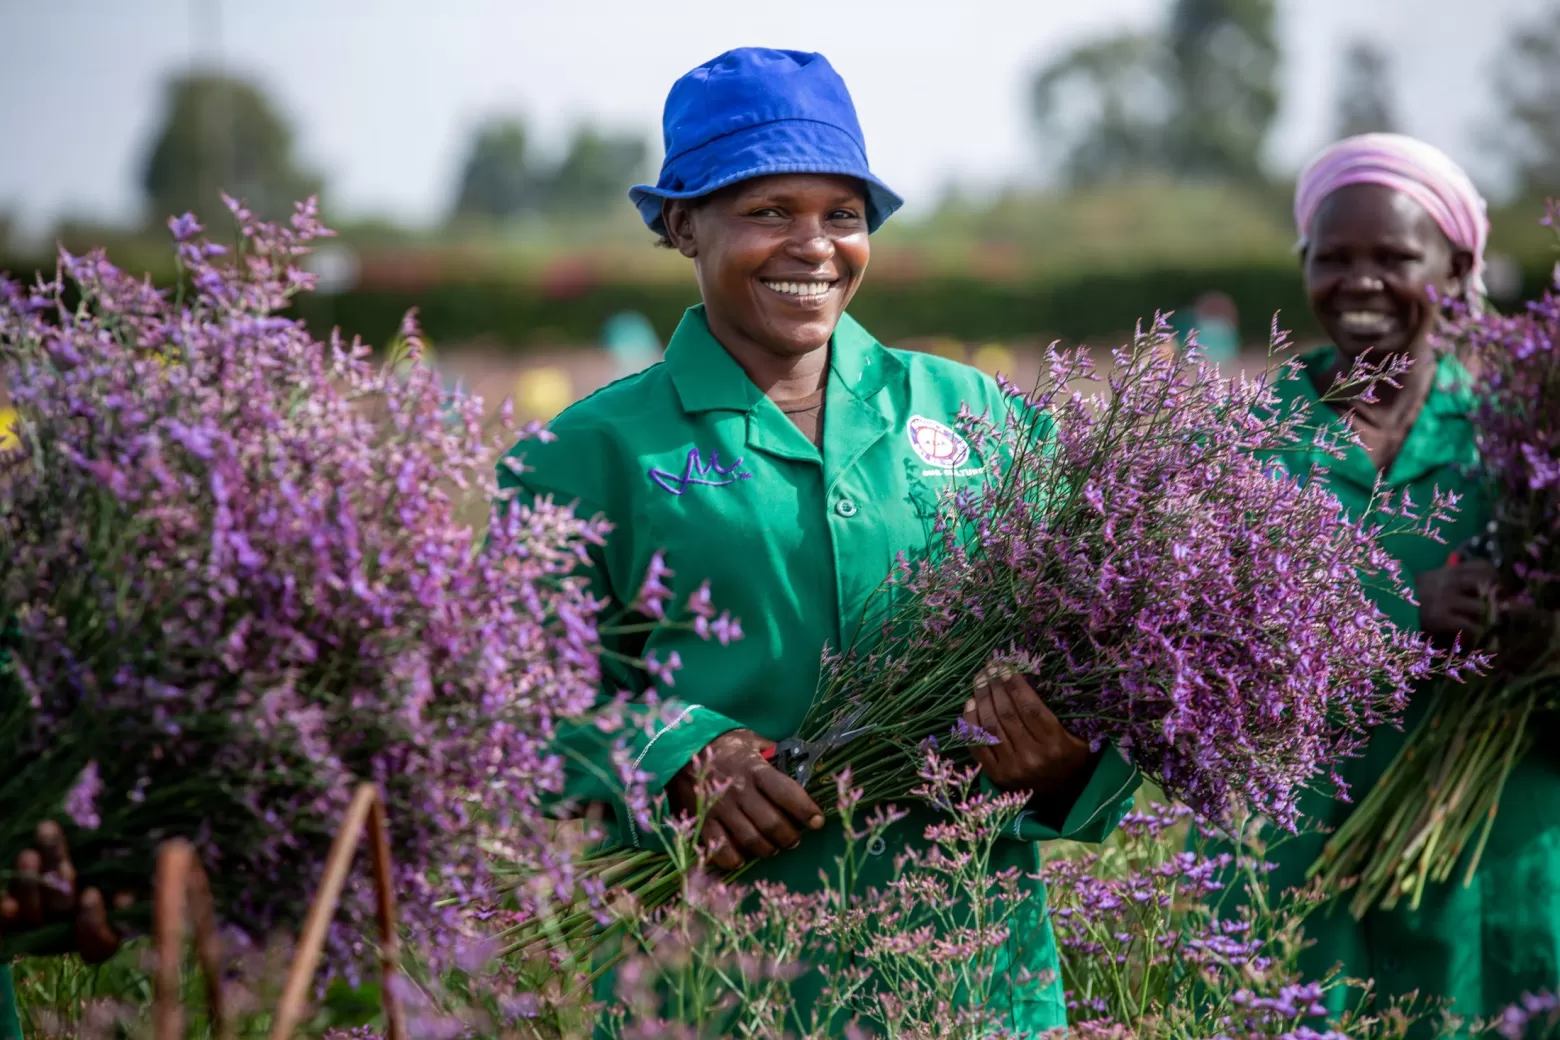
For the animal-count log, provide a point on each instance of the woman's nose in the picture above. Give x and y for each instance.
(1364, 277)
(810, 242)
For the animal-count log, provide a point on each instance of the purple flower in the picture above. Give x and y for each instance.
(967, 734)
(727, 629)
(653, 592)
(292, 602)
(81, 803)
(184, 228)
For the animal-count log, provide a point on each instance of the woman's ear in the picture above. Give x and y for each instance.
(1462, 268)
(677, 215)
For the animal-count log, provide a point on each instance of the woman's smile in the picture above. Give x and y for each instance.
(808, 293)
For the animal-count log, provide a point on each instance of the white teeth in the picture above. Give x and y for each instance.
(800, 288)
(1363, 319)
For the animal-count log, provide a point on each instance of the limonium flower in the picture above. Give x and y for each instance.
(1162, 583)
(238, 583)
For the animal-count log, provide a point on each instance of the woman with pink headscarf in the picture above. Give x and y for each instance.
(1388, 223)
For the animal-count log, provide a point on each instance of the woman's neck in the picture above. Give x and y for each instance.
(780, 376)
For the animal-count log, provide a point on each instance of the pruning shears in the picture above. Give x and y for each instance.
(799, 757)
(1483, 546)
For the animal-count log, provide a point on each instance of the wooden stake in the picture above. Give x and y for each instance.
(367, 809)
(183, 896)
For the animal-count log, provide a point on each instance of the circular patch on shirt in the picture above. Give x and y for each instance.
(936, 444)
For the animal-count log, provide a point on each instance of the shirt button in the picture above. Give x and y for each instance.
(877, 846)
(1390, 965)
(845, 507)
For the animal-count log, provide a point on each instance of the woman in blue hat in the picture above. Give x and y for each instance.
(783, 454)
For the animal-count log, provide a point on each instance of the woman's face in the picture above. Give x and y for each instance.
(778, 258)
(1374, 256)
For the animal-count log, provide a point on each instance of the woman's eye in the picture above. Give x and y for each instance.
(845, 215)
(765, 211)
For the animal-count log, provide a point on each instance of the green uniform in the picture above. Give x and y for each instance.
(10, 1019)
(1482, 946)
(690, 457)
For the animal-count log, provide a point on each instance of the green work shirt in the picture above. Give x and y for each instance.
(1482, 946)
(690, 457)
(10, 1018)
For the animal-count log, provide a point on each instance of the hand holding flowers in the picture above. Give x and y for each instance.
(1455, 601)
(758, 811)
(1033, 751)
(43, 891)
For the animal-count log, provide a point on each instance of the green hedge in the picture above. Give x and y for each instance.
(1085, 307)
(1096, 306)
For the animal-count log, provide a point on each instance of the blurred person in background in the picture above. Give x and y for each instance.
(1384, 221)
(780, 451)
(631, 342)
(1215, 321)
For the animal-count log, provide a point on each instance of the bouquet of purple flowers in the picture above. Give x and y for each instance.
(1444, 788)
(235, 581)
(1164, 585)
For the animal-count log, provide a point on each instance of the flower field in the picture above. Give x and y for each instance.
(267, 610)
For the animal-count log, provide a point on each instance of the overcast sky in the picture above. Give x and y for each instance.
(385, 93)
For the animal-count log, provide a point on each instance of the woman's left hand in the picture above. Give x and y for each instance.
(1035, 752)
(43, 891)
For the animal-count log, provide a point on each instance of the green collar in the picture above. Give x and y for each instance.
(1441, 435)
(707, 378)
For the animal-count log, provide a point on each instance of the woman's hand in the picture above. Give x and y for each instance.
(1034, 752)
(761, 812)
(1455, 601)
(43, 892)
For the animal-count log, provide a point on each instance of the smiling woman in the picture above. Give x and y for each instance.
(783, 456)
(1387, 225)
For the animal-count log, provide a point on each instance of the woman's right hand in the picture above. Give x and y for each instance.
(43, 892)
(761, 812)
(1455, 601)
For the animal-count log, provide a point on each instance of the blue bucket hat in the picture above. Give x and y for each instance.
(755, 111)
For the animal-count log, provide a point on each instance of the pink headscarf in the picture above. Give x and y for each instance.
(1421, 171)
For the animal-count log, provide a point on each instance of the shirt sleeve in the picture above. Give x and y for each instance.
(1105, 799)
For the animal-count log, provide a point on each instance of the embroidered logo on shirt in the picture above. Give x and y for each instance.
(938, 445)
(696, 470)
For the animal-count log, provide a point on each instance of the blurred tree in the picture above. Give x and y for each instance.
(502, 178)
(1194, 99)
(1102, 108)
(596, 171)
(221, 134)
(498, 180)
(1365, 99)
(1224, 60)
(1527, 88)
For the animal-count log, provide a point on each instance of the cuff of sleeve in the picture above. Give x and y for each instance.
(687, 730)
(1099, 807)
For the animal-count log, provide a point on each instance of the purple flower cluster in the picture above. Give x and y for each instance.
(1162, 582)
(1515, 360)
(240, 582)
(1540, 1011)
(81, 802)
(1145, 947)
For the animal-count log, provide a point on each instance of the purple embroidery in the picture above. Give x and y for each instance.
(697, 471)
